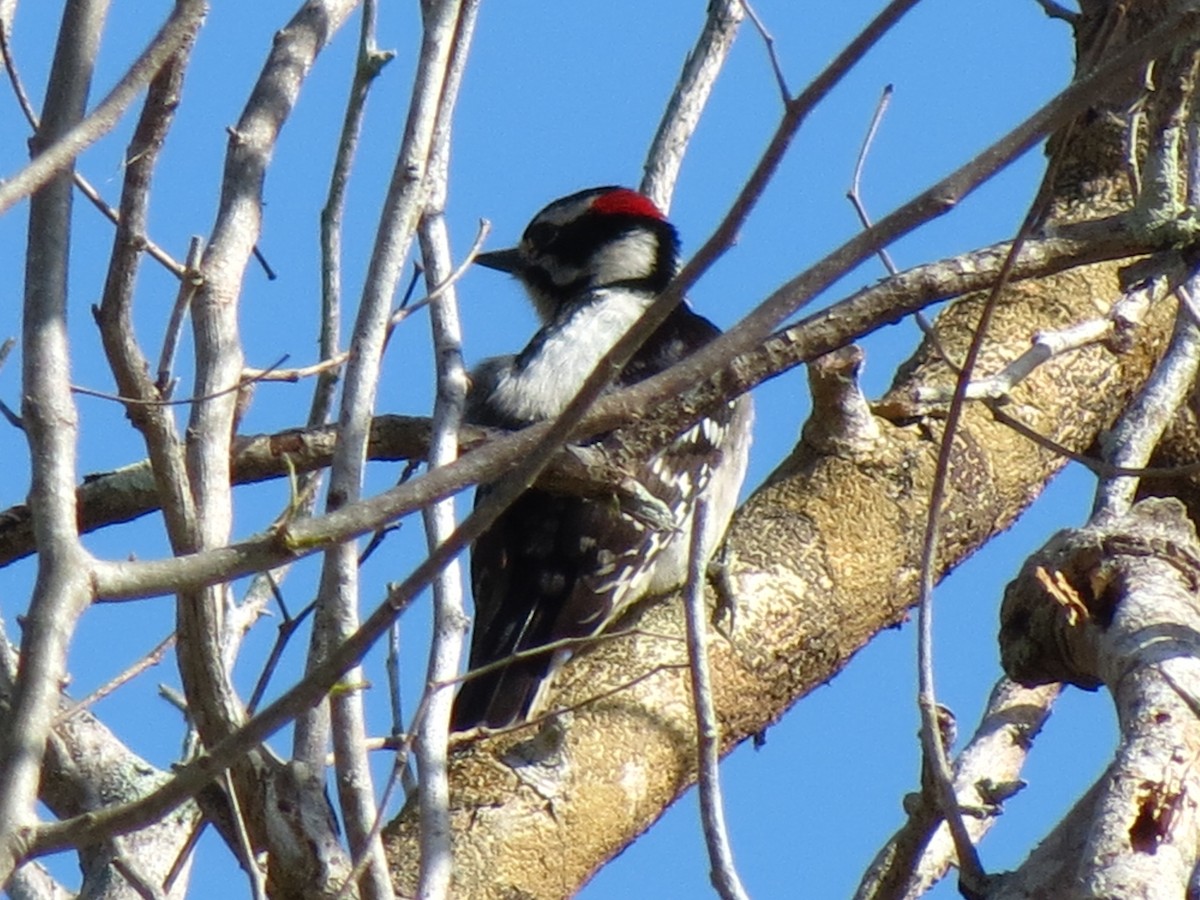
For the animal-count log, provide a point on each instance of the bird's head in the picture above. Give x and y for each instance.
(606, 237)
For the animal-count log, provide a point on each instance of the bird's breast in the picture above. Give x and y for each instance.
(544, 377)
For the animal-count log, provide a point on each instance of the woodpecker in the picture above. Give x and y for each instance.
(553, 566)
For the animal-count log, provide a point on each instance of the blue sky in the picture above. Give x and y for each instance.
(559, 97)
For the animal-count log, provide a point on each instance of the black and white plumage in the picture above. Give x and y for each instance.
(553, 566)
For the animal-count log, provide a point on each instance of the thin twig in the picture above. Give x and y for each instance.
(1045, 346)
(151, 659)
(1097, 466)
(174, 698)
(537, 721)
(407, 309)
(180, 26)
(258, 888)
(972, 877)
(293, 375)
(403, 737)
(261, 259)
(188, 285)
(722, 870)
(11, 416)
(986, 773)
(263, 375)
(8, 63)
(854, 195)
(154, 250)
(130, 871)
(185, 852)
(368, 63)
(287, 628)
(392, 667)
(769, 40)
(14, 79)
(402, 769)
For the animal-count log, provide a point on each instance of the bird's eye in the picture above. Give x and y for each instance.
(540, 235)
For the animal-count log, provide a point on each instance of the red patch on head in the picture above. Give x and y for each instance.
(623, 201)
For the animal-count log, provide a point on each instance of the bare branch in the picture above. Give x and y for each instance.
(1046, 345)
(679, 120)
(251, 376)
(32, 881)
(213, 700)
(854, 195)
(151, 659)
(450, 621)
(261, 458)
(85, 186)
(109, 498)
(189, 283)
(986, 774)
(180, 27)
(1133, 438)
(438, 290)
(287, 628)
(50, 422)
(769, 40)
(723, 873)
(1131, 833)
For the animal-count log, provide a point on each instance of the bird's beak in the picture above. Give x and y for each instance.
(500, 260)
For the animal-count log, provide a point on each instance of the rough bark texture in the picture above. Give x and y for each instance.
(1114, 603)
(822, 557)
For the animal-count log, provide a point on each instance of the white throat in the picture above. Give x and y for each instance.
(570, 350)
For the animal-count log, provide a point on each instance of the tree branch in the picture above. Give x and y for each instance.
(181, 26)
(50, 422)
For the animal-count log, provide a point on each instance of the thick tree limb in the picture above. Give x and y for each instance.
(821, 557)
(1115, 604)
(124, 495)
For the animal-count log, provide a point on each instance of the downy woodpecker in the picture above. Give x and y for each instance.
(554, 567)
